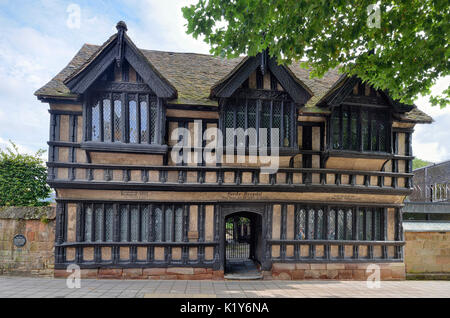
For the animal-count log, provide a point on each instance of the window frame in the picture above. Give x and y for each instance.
(350, 216)
(89, 232)
(378, 111)
(155, 140)
(234, 102)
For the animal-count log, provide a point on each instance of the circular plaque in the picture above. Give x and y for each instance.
(20, 240)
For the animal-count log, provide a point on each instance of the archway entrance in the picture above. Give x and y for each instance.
(243, 244)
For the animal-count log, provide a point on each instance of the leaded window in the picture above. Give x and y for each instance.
(339, 223)
(252, 115)
(123, 118)
(360, 129)
(371, 224)
(136, 223)
(97, 223)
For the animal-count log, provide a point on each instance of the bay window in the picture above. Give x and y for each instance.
(360, 129)
(253, 114)
(123, 118)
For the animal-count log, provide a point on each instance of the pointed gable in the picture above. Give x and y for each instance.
(351, 90)
(119, 50)
(250, 68)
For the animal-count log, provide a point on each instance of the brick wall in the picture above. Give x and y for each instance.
(36, 258)
(427, 252)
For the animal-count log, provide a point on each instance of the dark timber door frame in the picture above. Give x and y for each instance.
(261, 212)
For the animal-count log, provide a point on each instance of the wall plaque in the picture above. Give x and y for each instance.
(19, 240)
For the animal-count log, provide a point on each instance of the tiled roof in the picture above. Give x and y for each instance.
(193, 75)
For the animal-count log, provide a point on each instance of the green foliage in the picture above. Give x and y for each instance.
(22, 178)
(419, 163)
(405, 55)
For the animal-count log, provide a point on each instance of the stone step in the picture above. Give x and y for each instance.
(243, 277)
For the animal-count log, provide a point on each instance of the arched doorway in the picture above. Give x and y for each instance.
(243, 243)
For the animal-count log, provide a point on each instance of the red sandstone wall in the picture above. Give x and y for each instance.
(37, 256)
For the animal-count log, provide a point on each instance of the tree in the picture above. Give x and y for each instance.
(23, 178)
(419, 163)
(398, 45)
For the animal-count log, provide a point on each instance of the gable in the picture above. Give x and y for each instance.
(352, 91)
(123, 79)
(119, 50)
(260, 72)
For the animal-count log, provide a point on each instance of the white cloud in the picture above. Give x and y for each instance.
(432, 142)
(160, 25)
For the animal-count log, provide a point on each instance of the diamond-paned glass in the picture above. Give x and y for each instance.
(345, 132)
(319, 214)
(134, 224)
(265, 120)
(178, 225)
(133, 122)
(106, 120)
(153, 119)
(341, 225)
(382, 132)
(98, 223)
(374, 133)
(109, 223)
(276, 115)
(145, 230)
(96, 129)
(365, 130)
(361, 225)
(158, 224)
(88, 224)
(144, 122)
(240, 123)
(251, 123)
(168, 225)
(229, 123)
(123, 224)
(301, 221)
(240, 115)
(377, 225)
(349, 225)
(311, 214)
(332, 225)
(354, 130)
(336, 131)
(117, 121)
(373, 128)
(369, 235)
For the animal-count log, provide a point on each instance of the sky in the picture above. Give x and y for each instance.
(38, 39)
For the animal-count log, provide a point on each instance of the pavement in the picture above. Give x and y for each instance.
(20, 287)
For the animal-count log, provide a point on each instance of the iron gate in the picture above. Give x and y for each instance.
(237, 238)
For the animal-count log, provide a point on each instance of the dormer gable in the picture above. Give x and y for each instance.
(262, 73)
(119, 51)
(353, 91)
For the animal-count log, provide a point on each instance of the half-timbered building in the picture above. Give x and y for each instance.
(127, 208)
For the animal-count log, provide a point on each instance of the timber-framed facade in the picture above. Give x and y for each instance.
(126, 209)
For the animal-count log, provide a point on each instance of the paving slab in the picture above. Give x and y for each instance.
(17, 287)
